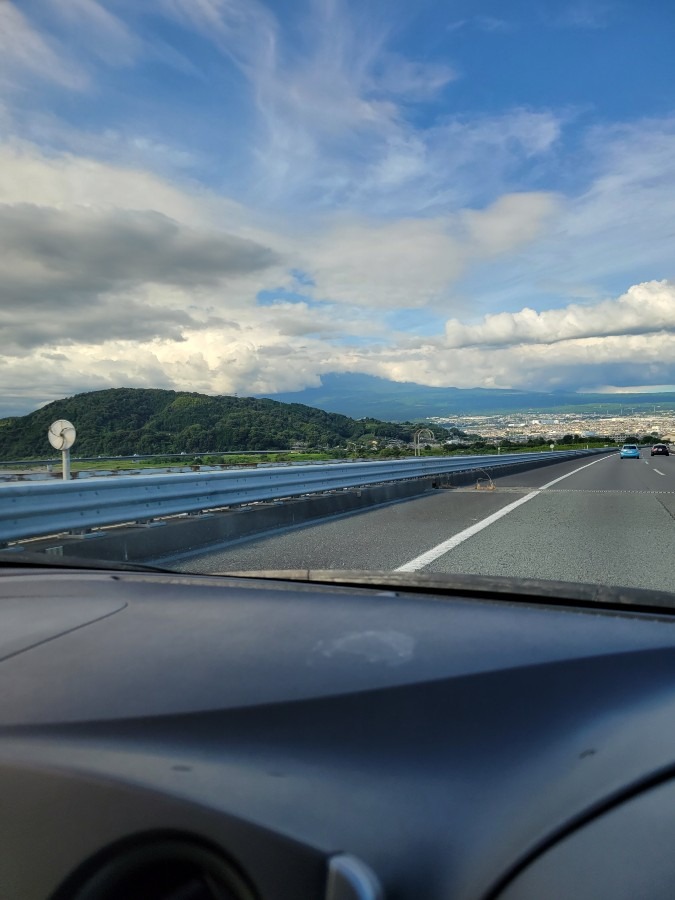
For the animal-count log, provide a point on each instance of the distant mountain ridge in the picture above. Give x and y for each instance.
(360, 396)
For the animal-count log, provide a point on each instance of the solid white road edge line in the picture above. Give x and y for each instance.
(424, 559)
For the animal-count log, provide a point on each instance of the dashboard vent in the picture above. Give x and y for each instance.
(173, 869)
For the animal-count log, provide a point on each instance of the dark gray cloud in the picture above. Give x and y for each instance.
(70, 275)
(49, 252)
(101, 319)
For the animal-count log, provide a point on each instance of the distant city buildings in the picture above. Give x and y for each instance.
(548, 427)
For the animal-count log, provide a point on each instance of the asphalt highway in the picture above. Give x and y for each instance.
(596, 519)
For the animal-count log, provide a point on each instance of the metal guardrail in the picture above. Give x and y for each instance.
(29, 510)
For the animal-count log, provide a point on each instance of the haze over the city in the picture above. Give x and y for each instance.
(240, 196)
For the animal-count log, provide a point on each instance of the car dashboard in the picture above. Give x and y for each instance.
(166, 736)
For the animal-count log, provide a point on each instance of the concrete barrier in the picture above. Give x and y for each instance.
(141, 543)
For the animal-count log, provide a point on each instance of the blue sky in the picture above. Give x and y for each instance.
(237, 195)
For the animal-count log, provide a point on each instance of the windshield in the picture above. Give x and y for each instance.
(342, 286)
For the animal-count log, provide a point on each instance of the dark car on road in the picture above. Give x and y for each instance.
(660, 450)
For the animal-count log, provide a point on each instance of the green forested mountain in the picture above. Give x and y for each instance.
(123, 421)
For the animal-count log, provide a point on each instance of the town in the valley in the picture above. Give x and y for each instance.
(630, 423)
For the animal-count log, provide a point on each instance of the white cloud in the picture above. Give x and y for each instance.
(493, 24)
(615, 229)
(104, 252)
(102, 33)
(457, 162)
(566, 365)
(332, 112)
(25, 51)
(511, 221)
(247, 357)
(501, 139)
(643, 309)
(583, 14)
(317, 106)
(141, 282)
(66, 180)
(243, 29)
(331, 102)
(257, 359)
(423, 210)
(413, 80)
(174, 303)
(615, 343)
(406, 263)
(415, 262)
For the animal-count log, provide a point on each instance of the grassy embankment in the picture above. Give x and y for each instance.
(245, 459)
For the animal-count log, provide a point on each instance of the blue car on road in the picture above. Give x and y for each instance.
(629, 451)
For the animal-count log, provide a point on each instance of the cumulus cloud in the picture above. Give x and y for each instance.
(300, 319)
(621, 342)
(111, 274)
(643, 309)
(259, 360)
(567, 365)
(246, 357)
(91, 275)
(94, 322)
(108, 252)
(51, 251)
(139, 282)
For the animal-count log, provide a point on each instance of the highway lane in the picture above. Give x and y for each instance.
(613, 523)
(601, 520)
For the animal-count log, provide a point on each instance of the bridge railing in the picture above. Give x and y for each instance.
(29, 510)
